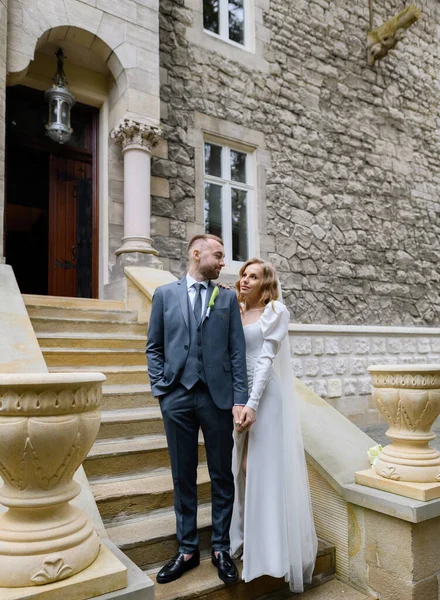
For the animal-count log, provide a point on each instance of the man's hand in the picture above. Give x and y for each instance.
(248, 417)
(236, 413)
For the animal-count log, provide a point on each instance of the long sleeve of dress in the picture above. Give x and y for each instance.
(274, 324)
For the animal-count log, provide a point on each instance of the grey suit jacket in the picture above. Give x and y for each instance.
(223, 344)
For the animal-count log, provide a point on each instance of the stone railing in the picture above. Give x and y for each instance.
(333, 361)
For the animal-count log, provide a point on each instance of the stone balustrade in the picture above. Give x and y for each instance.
(333, 361)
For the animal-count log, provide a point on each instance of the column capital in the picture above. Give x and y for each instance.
(132, 134)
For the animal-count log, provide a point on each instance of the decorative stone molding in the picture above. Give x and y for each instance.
(48, 423)
(131, 134)
(408, 397)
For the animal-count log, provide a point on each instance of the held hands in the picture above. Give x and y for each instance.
(244, 418)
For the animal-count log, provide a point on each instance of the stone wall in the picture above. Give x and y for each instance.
(333, 360)
(351, 195)
(3, 34)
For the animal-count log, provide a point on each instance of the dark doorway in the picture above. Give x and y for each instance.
(51, 218)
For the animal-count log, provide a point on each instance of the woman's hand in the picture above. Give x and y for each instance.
(248, 417)
(223, 286)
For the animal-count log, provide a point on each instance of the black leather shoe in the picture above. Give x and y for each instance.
(227, 571)
(177, 567)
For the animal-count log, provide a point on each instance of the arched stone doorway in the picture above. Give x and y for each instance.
(113, 71)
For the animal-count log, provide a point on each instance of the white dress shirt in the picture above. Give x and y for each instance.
(190, 281)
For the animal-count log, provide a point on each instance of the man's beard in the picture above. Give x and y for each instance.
(209, 272)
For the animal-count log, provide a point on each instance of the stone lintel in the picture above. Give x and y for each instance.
(418, 491)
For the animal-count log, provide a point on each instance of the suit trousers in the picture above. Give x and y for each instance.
(184, 412)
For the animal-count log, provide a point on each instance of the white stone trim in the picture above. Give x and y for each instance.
(363, 329)
(242, 138)
(252, 55)
(103, 173)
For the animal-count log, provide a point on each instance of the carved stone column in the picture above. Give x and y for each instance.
(48, 423)
(137, 141)
(408, 397)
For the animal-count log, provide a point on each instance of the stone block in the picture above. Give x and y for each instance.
(312, 367)
(302, 345)
(83, 16)
(358, 366)
(160, 187)
(418, 491)
(331, 346)
(394, 588)
(318, 346)
(334, 388)
(341, 365)
(126, 10)
(298, 368)
(105, 575)
(424, 345)
(327, 367)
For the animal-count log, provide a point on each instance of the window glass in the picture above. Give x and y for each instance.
(239, 225)
(238, 166)
(236, 21)
(213, 160)
(213, 209)
(211, 16)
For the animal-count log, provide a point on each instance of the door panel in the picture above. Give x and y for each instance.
(70, 208)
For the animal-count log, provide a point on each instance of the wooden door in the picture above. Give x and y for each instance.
(70, 227)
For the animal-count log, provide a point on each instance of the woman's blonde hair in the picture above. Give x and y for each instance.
(269, 284)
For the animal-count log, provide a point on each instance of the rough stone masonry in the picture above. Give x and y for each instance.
(352, 192)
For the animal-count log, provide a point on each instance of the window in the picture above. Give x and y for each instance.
(228, 198)
(226, 18)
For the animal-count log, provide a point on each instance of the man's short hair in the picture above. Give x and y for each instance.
(204, 237)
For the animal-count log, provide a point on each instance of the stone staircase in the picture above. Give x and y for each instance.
(128, 467)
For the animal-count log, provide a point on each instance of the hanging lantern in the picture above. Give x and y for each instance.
(60, 102)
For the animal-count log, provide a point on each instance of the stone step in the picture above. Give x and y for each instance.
(203, 583)
(88, 314)
(91, 340)
(121, 456)
(70, 302)
(332, 590)
(79, 357)
(117, 375)
(117, 499)
(54, 325)
(127, 396)
(150, 540)
(132, 422)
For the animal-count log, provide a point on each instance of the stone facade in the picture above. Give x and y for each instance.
(351, 193)
(333, 361)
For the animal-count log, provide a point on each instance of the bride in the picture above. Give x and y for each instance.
(272, 520)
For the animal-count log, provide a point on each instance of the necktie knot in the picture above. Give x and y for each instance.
(198, 286)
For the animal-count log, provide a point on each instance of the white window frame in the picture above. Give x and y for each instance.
(226, 196)
(224, 24)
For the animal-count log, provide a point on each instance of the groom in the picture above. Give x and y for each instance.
(197, 369)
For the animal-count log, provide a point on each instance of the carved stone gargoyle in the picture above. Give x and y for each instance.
(384, 38)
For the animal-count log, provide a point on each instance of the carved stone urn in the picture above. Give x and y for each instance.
(408, 397)
(48, 423)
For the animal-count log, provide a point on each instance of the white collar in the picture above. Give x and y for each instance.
(190, 281)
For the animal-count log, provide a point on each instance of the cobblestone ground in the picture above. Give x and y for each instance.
(377, 432)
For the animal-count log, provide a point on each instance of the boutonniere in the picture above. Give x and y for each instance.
(212, 300)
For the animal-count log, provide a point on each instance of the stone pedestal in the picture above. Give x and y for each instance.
(137, 141)
(408, 397)
(48, 423)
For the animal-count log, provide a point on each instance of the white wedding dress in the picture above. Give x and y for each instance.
(272, 519)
